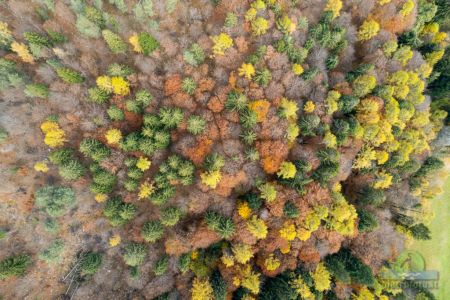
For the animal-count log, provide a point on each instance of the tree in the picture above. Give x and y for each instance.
(148, 43)
(194, 55)
(358, 271)
(14, 266)
(37, 90)
(135, 254)
(170, 216)
(55, 200)
(53, 252)
(69, 76)
(201, 289)
(90, 263)
(114, 41)
(218, 285)
(367, 221)
(247, 71)
(242, 253)
(196, 125)
(94, 149)
(189, 85)
(371, 196)
(259, 26)
(363, 85)
(221, 42)
(161, 265)
(420, 232)
(257, 227)
(287, 170)
(368, 30)
(23, 52)
(152, 231)
(321, 277)
(98, 95)
(118, 212)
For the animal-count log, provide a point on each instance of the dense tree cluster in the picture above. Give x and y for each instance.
(248, 159)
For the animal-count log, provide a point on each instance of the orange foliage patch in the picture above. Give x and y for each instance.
(172, 84)
(273, 153)
(215, 104)
(198, 153)
(176, 245)
(206, 85)
(261, 108)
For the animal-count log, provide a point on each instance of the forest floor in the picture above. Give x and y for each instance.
(436, 251)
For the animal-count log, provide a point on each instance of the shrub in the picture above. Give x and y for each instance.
(114, 42)
(170, 216)
(14, 266)
(196, 124)
(148, 43)
(90, 263)
(161, 265)
(152, 231)
(367, 221)
(53, 253)
(55, 200)
(37, 90)
(69, 75)
(3, 135)
(135, 254)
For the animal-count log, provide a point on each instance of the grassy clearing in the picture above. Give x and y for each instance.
(437, 250)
